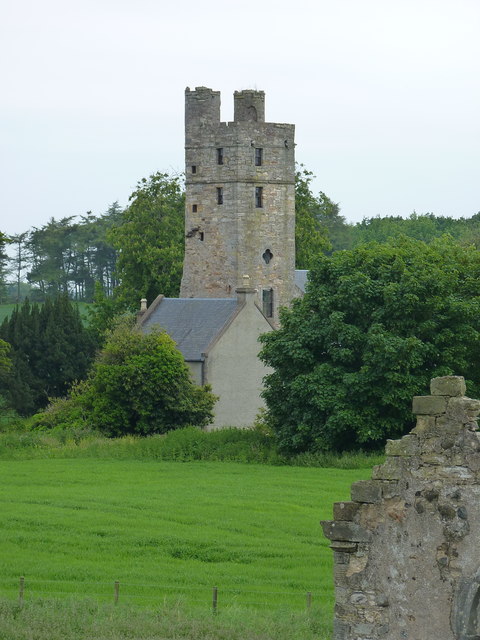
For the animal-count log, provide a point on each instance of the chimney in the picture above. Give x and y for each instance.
(246, 293)
(143, 308)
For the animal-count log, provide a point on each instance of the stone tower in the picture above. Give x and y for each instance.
(240, 201)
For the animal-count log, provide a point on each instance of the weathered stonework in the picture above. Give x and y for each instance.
(406, 558)
(227, 234)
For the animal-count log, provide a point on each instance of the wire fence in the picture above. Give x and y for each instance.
(214, 597)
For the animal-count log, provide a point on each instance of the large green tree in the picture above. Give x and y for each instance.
(150, 240)
(50, 349)
(375, 325)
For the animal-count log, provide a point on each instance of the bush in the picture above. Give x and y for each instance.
(139, 384)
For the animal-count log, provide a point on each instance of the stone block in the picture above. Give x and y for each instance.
(345, 510)
(449, 424)
(463, 410)
(406, 446)
(345, 531)
(390, 489)
(473, 461)
(341, 630)
(425, 425)
(448, 386)
(392, 469)
(366, 491)
(429, 405)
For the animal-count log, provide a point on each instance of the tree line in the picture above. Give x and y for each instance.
(138, 251)
(390, 303)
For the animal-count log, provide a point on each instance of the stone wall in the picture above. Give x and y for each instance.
(227, 240)
(406, 548)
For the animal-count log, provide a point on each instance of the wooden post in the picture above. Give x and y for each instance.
(117, 590)
(214, 600)
(21, 590)
(309, 600)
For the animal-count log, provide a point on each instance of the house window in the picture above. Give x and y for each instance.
(267, 300)
(219, 195)
(220, 155)
(194, 168)
(258, 157)
(194, 208)
(259, 197)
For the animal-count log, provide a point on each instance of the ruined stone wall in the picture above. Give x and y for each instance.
(406, 548)
(226, 241)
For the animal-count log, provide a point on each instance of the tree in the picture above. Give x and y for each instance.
(50, 349)
(3, 266)
(140, 385)
(311, 238)
(150, 240)
(375, 325)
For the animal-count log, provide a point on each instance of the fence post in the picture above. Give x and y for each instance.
(214, 600)
(117, 590)
(309, 600)
(21, 590)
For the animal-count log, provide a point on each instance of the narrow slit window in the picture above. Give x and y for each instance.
(220, 155)
(267, 299)
(194, 168)
(259, 197)
(202, 236)
(194, 208)
(258, 157)
(219, 195)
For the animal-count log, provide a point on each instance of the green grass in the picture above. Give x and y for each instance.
(169, 532)
(181, 445)
(71, 619)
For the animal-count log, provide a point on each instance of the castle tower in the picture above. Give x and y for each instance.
(240, 201)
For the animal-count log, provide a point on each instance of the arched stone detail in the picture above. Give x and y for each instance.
(466, 609)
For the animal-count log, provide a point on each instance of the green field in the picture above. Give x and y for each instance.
(169, 532)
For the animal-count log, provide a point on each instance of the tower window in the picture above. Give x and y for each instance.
(267, 256)
(267, 300)
(194, 168)
(258, 157)
(220, 155)
(219, 195)
(259, 197)
(202, 236)
(194, 208)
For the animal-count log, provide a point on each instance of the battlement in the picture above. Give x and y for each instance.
(249, 106)
(202, 106)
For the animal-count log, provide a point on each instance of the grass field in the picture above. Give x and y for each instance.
(169, 532)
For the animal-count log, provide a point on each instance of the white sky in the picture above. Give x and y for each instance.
(385, 96)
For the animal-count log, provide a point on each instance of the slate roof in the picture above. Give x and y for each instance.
(301, 278)
(192, 322)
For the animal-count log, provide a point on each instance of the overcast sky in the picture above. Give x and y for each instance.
(384, 94)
